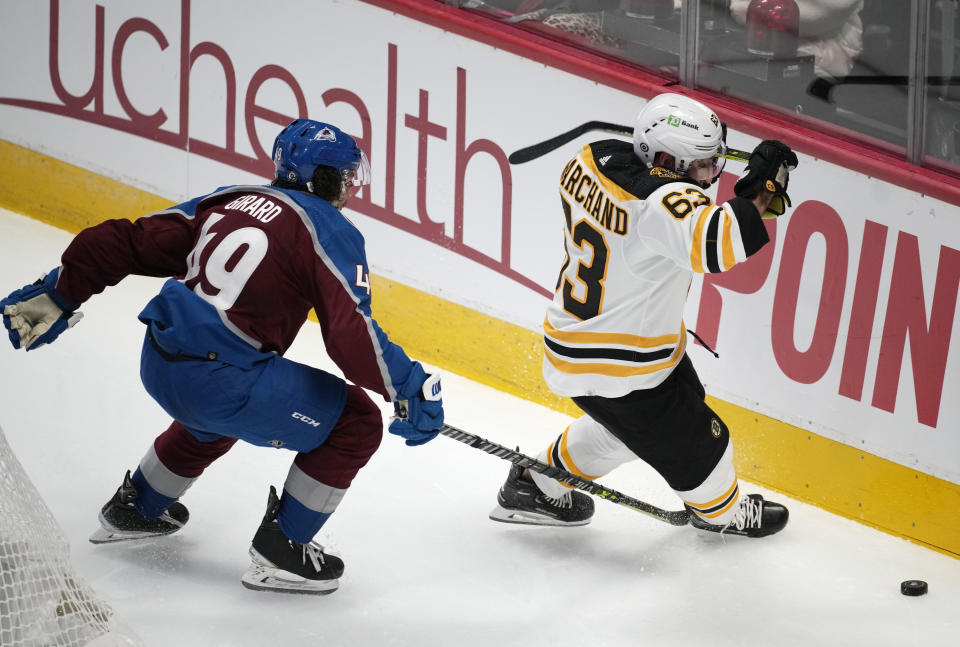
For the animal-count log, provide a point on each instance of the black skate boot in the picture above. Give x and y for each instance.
(281, 564)
(120, 520)
(754, 518)
(521, 501)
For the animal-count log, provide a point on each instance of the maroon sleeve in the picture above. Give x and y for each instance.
(353, 338)
(102, 255)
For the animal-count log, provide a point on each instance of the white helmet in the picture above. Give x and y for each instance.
(681, 127)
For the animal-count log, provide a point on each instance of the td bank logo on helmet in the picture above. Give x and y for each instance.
(675, 121)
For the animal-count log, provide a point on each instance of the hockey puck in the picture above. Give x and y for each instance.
(913, 587)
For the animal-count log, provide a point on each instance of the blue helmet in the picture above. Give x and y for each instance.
(306, 144)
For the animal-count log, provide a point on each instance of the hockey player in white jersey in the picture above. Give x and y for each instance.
(637, 227)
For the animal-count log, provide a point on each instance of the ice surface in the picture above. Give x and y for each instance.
(424, 564)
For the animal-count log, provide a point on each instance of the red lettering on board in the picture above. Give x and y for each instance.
(425, 129)
(808, 366)
(464, 152)
(187, 61)
(144, 124)
(929, 338)
(251, 110)
(148, 126)
(95, 93)
(863, 311)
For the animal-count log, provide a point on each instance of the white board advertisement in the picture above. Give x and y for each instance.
(846, 325)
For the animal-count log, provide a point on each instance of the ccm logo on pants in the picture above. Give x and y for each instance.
(306, 419)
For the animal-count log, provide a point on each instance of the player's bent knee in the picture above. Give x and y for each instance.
(354, 439)
(360, 426)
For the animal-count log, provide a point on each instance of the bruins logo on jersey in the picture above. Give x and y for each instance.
(659, 171)
(715, 428)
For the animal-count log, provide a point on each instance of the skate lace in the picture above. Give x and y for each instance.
(313, 552)
(565, 500)
(749, 513)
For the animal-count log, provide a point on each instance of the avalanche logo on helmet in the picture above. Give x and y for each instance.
(326, 134)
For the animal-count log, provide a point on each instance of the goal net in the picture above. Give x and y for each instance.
(42, 602)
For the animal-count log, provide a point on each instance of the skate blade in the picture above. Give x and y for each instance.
(530, 518)
(265, 578)
(104, 536)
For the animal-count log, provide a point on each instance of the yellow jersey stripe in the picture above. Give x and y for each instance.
(733, 501)
(729, 260)
(550, 461)
(614, 370)
(568, 461)
(605, 338)
(696, 249)
(718, 500)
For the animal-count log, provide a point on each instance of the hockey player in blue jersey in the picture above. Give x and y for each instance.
(248, 263)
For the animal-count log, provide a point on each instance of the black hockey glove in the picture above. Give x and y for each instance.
(768, 169)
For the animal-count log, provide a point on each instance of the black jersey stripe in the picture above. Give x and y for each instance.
(620, 354)
(706, 512)
(712, 243)
(556, 453)
(752, 230)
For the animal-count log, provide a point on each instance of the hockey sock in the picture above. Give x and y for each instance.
(149, 502)
(297, 521)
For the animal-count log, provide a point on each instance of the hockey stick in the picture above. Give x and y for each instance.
(534, 151)
(673, 517)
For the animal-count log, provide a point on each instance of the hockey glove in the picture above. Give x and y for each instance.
(768, 169)
(36, 314)
(419, 415)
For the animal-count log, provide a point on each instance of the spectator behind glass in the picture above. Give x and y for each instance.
(830, 30)
(578, 17)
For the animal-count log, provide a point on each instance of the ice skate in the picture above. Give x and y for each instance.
(521, 501)
(283, 565)
(120, 520)
(754, 518)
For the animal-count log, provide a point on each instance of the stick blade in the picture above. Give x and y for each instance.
(523, 155)
(539, 150)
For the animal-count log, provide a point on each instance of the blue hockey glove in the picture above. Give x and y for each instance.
(36, 314)
(418, 408)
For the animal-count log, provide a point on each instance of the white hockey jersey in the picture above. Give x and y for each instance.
(634, 237)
